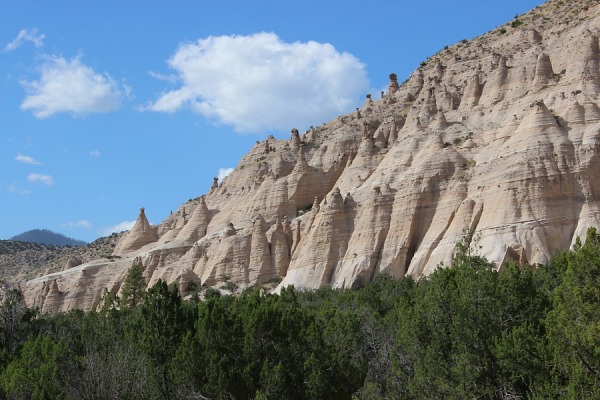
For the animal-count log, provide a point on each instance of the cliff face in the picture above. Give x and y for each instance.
(498, 136)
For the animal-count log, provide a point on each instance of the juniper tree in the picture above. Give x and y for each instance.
(134, 285)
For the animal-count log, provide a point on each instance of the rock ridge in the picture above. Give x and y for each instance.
(497, 137)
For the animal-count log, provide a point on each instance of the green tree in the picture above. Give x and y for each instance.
(14, 318)
(134, 285)
(109, 302)
(218, 349)
(519, 346)
(473, 332)
(574, 323)
(110, 364)
(163, 325)
(41, 371)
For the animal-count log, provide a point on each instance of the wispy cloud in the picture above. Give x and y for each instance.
(26, 35)
(70, 86)
(95, 153)
(120, 227)
(223, 172)
(15, 190)
(82, 223)
(128, 91)
(47, 180)
(259, 83)
(172, 78)
(27, 159)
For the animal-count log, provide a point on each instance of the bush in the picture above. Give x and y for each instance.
(230, 286)
(212, 293)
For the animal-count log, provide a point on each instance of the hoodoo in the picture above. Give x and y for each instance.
(495, 141)
(141, 234)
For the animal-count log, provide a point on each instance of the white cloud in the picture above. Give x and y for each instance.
(223, 172)
(27, 159)
(259, 83)
(26, 35)
(82, 223)
(171, 78)
(70, 86)
(95, 153)
(128, 91)
(41, 178)
(15, 190)
(120, 227)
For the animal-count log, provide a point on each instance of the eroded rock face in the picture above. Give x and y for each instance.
(499, 136)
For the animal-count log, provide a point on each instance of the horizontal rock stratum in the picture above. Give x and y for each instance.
(498, 136)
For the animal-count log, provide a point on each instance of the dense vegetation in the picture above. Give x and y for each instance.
(463, 332)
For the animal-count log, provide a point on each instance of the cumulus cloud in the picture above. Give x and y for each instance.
(27, 159)
(15, 190)
(120, 227)
(70, 86)
(223, 172)
(259, 83)
(82, 223)
(41, 178)
(26, 35)
(95, 153)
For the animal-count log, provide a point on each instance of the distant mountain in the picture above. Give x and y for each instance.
(44, 236)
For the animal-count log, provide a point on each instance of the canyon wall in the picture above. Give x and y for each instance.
(494, 139)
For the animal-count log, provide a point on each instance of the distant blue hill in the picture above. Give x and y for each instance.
(44, 236)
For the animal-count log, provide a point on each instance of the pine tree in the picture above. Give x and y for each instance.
(134, 285)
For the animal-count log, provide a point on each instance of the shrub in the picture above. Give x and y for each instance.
(212, 293)
(230, 286)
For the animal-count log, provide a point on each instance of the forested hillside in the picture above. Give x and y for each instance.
(45, 236)
(462, 332)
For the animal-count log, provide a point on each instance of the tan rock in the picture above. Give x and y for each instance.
(141, 234)
(496, 142)
(429, 108)
(393, 85)
(471, 94)
(195, 228)
(439, 123)
(543, 72)
(495, 90)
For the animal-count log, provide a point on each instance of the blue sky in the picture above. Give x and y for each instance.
(109, 106)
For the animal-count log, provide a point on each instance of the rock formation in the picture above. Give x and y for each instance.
(141, 234)
(496, 140)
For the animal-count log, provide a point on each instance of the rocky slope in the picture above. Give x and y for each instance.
(498, 136)
(21, 261)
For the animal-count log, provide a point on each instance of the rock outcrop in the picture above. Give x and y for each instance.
(141, 234)
(496, 140)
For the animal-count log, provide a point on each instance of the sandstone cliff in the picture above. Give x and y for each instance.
(498, 135)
